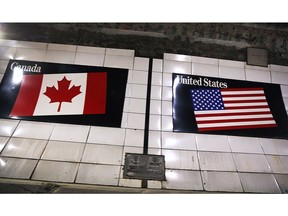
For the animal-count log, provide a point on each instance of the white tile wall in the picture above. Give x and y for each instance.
(251, 163)
(212, 143)
(183, 180)
(97, 153)
(70, 133)
(102, 154)
(63, 151)
(55, 171)
(7, 127)
(245, 145)
(1, 77)
(259, 183)
(98, 174)
(221, 181)
(24, 148)
(180, 159)
(216, 161)
(16, 168)
(278, 164)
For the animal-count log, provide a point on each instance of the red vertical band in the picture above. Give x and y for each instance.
(95, 99)
(28, 95)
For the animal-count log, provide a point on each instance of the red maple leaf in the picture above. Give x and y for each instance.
(63, 93)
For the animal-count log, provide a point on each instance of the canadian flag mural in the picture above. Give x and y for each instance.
(61, 94)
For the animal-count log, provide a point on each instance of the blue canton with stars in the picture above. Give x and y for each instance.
(207, 99)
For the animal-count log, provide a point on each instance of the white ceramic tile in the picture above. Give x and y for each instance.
(221, 181)
(24, 148)
(60, 57)
(284, 90)
(167, 108)
(55, 171)
(134, 138)
(258, 75)
(154, 139)
(156, 78)
(7, 52)
(1, 77)
(216, 161)
(180, 159)
(34, 130)
(102, 154)
(259, 183)
(32, 45)
(183, 180)
(212, 143)
(129, 149)
(167, 93)
(3, 141)
(138, 91)
(128, 89)
(121, 52)
(136, 121)
(72, 133)
(141, 63)
(118, 61)
(205, 70)
(251, 163)
(155, 122)
(245, 145)
(137, 105)
(154, 184)
(106, 135)
(155, 151)
(177, 67)
(252, 67)
(98, 174)
(167, 123)
(88, 49)
(279, 68)
(232, 72)
(184, 141)
(230, 63)
(282, 181)
(279, 77)
(274, 146)
(177, 57)
(16, 168)
(157, 65)
(205, 60)
(278, 164)
(155, 107)
(89, 59)
(7, 127)
(124, 120)
(129, 182)
(138, 77)
(62, 47)
(9, 43)
(30, 54)
(167, 79)
(286, 103)
(3, 66)
(63, 151)
(156, 92)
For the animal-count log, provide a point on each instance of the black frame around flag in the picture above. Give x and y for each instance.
(183, 111)
(116, 88)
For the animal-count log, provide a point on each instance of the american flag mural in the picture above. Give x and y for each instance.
(232, 108)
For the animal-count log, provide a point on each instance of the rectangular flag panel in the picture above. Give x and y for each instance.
(231, 107)
(63, 93)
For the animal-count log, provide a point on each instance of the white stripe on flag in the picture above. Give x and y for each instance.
(228, 124)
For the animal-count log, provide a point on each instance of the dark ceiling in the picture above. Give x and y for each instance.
(216, 40)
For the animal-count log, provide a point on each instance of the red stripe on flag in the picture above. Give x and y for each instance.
(237, 127)
(95, 99)
(28, 95)
(231, 114)
(241, 89)
(233, 120)
(244, 101)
